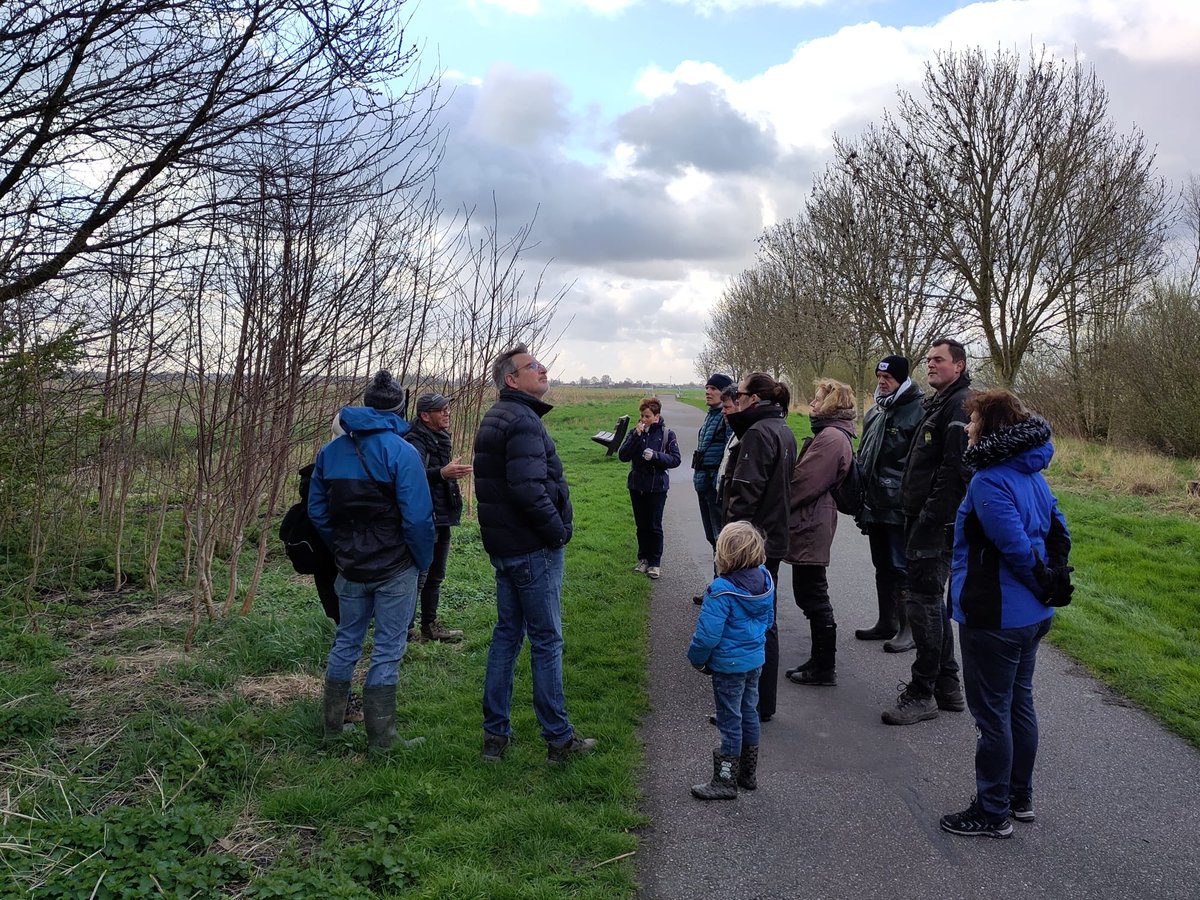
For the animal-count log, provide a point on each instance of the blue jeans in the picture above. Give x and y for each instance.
(736, 696)
(997, 668)
(527, 600)
(391, 604)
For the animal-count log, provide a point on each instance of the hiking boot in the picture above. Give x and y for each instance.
(576, 746)
(333, 708)
(910, 709)
(641, 567)
(747, 776)
(949, 694)
(354, 710)
(973, 823)
(435, 631)
(803, 667)
(1021, 808)
(654, 571)
(494, 746)
(724, 780)
(880, 631)
(813, 676)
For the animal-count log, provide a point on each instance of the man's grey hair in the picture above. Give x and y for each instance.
(504, 366)
(730, 392)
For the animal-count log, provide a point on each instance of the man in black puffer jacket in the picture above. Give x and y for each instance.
(935, 480)
(429, 432)
(525, 522)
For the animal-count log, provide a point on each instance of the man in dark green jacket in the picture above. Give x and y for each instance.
(888, 428)
(935, 480)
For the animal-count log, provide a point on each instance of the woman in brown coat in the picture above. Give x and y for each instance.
(824, 460)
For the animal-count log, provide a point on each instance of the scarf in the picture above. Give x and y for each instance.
(886, 401)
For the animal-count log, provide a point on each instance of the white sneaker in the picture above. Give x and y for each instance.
(640, 567)
(653, 571)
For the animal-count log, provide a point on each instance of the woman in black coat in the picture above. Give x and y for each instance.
(651, 449)
(759, 490)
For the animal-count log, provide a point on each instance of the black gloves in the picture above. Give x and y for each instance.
(1054, 583)
(703, 669)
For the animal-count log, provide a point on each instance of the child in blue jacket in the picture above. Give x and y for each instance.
(730, 644)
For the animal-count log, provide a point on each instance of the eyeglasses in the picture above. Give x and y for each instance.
(742, 394)
(533, 366)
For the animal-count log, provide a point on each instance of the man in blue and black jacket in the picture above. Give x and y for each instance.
(525, 521)
(369, 500)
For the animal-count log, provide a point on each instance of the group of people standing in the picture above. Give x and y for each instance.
(952, 492)
(383, 495)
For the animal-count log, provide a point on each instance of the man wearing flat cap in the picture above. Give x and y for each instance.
(429, 432)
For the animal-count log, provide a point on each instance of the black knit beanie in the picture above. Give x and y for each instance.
(385, 393)
(719, 381)
(896, 366)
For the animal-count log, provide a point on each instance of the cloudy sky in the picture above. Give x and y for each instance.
(655, 139)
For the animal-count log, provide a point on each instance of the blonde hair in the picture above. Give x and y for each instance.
(740, 546)
(838, 396)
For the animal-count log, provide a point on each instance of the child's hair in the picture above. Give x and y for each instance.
(740, 546)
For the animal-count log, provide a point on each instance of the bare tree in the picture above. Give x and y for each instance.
(1023, 187)
(107, 104)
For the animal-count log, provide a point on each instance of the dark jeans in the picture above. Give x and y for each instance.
(429, 584)
(710, 514)
(887, 556)
(929, 618)
(998, 681)
(647, 517)
(811, 587)
(527, 601)
(736, 696)
(768, 681)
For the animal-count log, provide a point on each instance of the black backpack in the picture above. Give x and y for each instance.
(301, 542)
(848, 493)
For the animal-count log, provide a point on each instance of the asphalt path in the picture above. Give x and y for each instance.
(849, 807)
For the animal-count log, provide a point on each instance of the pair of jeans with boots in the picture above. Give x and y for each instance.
(724, 783)
(821, 670)
(887, 556)
(903, 641)
(935, 670)
(810, 586)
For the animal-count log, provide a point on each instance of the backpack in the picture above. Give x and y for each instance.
(301, 542)
(848, 493)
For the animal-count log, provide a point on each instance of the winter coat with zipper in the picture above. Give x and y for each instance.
(731, 630)
(886, 437)
(374, 510)
(935, 477)
(524, 504)
(824, 460)
(649, 476)
(711, 441)
(759, 485)
(1008, 523)
(436, 450)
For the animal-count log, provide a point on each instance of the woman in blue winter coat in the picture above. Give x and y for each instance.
(1008, 570)
(651, 449)
(730, 644)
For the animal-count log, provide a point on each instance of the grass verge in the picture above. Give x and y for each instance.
(144, 771)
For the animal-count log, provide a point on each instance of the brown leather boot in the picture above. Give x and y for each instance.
(434, 631)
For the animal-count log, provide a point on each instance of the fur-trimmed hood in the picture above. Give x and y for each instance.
(1027, 444)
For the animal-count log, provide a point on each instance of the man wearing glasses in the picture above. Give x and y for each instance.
(934, 483)
(525, 522)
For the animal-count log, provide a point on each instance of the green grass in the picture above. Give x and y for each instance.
(1134, 620)
(209, 792)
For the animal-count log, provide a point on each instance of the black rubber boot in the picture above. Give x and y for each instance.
(379, 716)
(747, 777)
(823, 671)
(334, 708)
(889, 622)
(903, 641)
(724, 780)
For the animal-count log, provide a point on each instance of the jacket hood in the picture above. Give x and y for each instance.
(750, 589)
(1025, 445)
(364, 419)
(741, 421)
